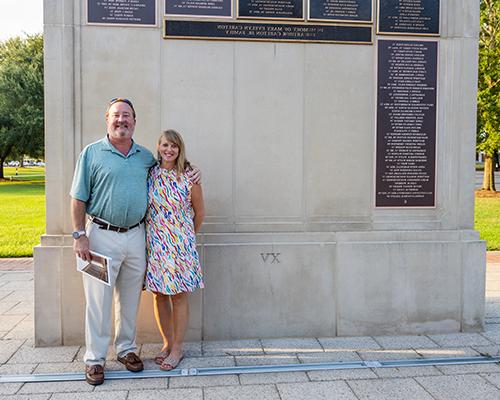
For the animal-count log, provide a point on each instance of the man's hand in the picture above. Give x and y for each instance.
(195, 175)
(81, 247)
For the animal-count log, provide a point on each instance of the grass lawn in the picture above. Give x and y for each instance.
(22, 211)
(27, 174)
(487, 220)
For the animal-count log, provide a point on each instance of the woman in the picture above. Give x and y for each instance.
(175, 214)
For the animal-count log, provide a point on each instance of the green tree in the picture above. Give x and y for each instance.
(488, 99)
(21, 98)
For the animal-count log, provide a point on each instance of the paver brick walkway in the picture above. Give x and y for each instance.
(480, 381)
(16, 264)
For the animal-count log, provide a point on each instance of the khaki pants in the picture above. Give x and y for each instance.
(128, 253)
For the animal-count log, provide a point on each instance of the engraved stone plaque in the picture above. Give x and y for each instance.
(273, 9)
(199, 8)
(123, 12)
(258, 31)
(406, 123)
(408, 17)
(341, 10)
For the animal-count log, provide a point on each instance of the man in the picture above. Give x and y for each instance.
(109, 186)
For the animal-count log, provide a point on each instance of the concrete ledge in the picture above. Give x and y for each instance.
(48, 318)
(298, 284)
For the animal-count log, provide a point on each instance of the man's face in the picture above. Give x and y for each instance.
(120, 121)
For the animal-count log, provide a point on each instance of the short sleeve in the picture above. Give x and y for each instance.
(151, 160)
(80, 188)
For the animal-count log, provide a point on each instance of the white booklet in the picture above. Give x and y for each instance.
(97, 268)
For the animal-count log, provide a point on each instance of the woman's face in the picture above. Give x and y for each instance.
(168, 150)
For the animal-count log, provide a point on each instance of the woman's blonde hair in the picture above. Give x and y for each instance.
(181, 163)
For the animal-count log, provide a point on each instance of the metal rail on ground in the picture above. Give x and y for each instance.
(255, 369)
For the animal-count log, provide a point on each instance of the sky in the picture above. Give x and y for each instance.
(20, 16)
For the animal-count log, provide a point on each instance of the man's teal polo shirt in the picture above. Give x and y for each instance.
(112, 185)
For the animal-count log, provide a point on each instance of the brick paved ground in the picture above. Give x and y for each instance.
(16, 264)
(493, 257)
(481, 381)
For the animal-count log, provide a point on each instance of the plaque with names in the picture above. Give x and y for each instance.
(271, 9)
(406, 123)
(408, 17)
(341, 10)
(263, 31)
(199, 8)
(123, 12)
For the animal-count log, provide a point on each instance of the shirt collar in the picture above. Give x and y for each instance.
(107, 146)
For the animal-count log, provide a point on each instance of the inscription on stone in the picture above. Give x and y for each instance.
(420, 17)
(129, 12)
(205, 8)
(406, 123)
(272, 258)
(341, 10)
(177, 29)
(275, 9)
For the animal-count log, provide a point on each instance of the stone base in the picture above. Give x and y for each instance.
(296, 284)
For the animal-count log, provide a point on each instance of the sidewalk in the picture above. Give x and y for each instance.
(474, 381)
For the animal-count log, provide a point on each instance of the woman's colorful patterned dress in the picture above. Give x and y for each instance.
(173, 262)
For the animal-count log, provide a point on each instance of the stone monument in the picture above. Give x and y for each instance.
(336, 140)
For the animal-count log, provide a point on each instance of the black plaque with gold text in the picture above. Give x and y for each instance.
(341, 10)
(406, 123)
(271, 9)
(199, 8)
(411, 17)
(286, 32)
(123, 12)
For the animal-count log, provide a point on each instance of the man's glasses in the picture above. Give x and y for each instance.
(121, 100)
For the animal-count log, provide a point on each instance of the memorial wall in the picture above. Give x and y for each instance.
(336, 140)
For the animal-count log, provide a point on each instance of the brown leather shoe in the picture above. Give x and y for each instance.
(94, 374)
(132, 362)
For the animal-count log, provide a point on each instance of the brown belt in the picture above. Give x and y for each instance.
(109, 227)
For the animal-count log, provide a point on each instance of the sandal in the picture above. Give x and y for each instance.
(160, 357)
(170, 363)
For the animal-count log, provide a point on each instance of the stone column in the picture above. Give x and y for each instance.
(285, 136)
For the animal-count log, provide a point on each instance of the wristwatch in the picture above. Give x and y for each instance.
(78, 234)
